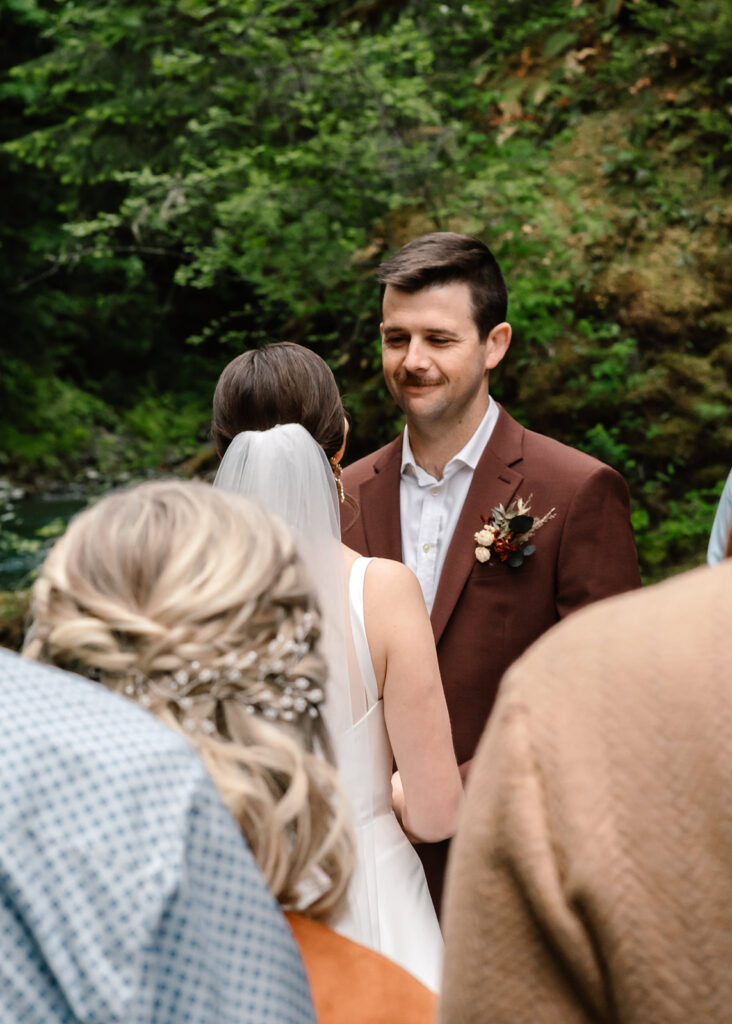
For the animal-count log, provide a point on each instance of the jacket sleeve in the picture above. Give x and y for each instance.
(516, 952)
(597, 555)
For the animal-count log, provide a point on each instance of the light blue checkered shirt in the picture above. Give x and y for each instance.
(127, 893)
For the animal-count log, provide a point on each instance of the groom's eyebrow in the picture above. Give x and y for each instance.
(442, 331)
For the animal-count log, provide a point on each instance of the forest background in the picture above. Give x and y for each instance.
(184, 179)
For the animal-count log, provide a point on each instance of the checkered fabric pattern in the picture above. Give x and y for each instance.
(127, 893)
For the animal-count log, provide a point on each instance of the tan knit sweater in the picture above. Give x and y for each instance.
(591, 877)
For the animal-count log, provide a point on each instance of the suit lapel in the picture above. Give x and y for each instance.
(380, 504)
(494, 482)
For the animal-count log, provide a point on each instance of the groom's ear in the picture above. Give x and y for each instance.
(497, 344)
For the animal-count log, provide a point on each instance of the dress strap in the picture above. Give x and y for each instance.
(358, 628)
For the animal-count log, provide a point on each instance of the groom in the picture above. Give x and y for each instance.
(463, 467)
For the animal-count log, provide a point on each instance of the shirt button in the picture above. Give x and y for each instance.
(425, 548)
(435, 491)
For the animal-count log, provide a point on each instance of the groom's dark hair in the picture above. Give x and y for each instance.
(444, 257)
(280, 383)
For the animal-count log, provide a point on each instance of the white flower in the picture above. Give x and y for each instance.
(485, 537)
(482, 554)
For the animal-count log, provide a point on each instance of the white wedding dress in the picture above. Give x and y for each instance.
(402, 920)
(389, 907)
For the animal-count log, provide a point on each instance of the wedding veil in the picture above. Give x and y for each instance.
(287, 471)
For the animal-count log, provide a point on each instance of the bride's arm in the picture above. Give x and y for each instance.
(403, 652)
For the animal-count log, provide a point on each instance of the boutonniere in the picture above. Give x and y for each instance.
(507, 531)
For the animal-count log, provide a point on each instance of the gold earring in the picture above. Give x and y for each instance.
(336, 466)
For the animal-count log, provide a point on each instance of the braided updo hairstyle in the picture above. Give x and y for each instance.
(194, 602)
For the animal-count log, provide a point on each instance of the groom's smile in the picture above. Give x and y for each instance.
(432, 355)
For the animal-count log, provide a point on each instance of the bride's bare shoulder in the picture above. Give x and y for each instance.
(392, 581)
(387, 580)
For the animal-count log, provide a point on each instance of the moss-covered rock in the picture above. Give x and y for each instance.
(13, 613)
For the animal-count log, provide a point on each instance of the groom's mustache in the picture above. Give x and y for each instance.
(412, 381)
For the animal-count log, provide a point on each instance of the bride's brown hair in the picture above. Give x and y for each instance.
(280, 383)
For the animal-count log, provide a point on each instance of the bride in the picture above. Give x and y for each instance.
(279, 428)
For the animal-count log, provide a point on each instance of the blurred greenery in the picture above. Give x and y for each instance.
(189, 178)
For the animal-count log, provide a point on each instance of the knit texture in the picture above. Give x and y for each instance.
(591, 878)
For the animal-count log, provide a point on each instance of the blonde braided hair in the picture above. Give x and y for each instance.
(173, 587)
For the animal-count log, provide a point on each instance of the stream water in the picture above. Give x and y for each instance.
(28, 526)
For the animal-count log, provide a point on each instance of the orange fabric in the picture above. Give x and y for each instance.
(353, 984)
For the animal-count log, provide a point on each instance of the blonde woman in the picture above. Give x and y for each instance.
(194, 604)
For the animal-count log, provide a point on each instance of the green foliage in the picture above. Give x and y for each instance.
(192, 177)
(164, 429)
(65, 421)
(678, 541)
(254, 110)
(700, 31)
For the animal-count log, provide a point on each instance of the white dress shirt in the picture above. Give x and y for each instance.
(429, 509)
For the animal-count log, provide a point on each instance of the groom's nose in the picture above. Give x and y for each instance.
(417, 357)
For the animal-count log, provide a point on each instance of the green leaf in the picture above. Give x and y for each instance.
(558, 42)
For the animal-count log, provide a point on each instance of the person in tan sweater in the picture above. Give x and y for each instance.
(591, 876)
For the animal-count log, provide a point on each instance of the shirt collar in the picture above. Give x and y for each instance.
(469, 455)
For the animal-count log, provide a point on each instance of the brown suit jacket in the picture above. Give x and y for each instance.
(486, 615)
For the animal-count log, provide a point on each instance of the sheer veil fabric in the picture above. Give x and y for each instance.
(287, 472)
